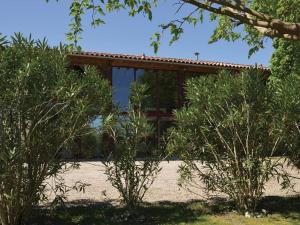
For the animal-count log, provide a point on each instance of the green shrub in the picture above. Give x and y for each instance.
(131, 134)
(44, 105)
(226, 137)
(86, 147)
(286, 108)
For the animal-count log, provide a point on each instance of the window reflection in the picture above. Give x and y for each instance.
(163, 88)
(168, 91)
(121, 81)
(149, 79)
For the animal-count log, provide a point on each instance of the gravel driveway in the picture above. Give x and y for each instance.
(164, 188)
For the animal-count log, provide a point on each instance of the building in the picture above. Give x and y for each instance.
(164, 76)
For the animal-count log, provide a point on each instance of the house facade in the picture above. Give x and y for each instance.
(165, 78)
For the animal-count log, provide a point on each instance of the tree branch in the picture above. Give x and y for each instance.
(265, 24)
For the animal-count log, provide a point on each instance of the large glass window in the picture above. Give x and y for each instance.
(163, 89)
(121, 81)
(165, 93)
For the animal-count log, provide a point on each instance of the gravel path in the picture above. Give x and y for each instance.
(164, 188)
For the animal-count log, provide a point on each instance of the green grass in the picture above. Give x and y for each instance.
(283, 211)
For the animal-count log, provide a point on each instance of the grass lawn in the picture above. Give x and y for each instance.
(283, 211)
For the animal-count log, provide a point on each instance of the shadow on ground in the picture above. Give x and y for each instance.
(288, 207)
(154, 213)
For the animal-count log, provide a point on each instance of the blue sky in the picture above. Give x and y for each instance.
(121, 33)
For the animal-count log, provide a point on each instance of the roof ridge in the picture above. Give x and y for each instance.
(169, 59)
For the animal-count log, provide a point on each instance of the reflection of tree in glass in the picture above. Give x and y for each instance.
(149, 78)
(162, 84)
(168, 90)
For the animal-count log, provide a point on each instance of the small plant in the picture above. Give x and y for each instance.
(227, 136)
(131, 134)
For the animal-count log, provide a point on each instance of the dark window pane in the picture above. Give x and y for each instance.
(139, 73)
(121, 81)
(164, 125)
(149, 79)
(168, 91)
(163, 90)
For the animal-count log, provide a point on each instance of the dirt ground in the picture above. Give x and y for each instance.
(165, 187)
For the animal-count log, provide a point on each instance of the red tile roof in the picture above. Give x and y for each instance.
(167, 60)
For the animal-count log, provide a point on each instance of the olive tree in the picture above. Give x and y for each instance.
(44, 105)
(130, 135)
(226, 136)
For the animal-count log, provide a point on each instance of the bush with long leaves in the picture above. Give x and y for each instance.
(227, 135)
(132, 134)
(286, 108)
(44, 105)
